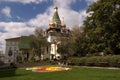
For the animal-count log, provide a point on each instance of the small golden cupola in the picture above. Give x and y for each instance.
(55, 8)
(63, 24)
(52, 23)
(49, 26)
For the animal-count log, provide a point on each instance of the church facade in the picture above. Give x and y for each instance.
(56, 33)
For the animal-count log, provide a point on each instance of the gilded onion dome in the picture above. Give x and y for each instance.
(63, 24)
(49, 26)
(55, 8)
(52, 23)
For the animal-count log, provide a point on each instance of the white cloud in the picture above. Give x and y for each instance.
(6, 11)
(13, 29)
(26, 1)
(16, 28)
(40, 20)
(89, 2)
(64, 3)
(72, 17)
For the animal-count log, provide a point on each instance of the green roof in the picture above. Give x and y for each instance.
(25, 42)
(56, 16)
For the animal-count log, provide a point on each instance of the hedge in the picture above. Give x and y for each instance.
(103, 61)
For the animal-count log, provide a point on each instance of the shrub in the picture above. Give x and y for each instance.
(73, 61)
(82, 61)
(113, 60)
(103, 61)
(90, 61)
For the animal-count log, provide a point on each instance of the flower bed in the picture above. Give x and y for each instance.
(49, 69)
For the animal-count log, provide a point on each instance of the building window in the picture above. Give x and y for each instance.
(10, 48)
(10, 43)
(15, 48)
(13, 43)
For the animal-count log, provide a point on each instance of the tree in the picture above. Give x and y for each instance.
(102, 27)
(64, 44)
(78, 44)
(38, 42)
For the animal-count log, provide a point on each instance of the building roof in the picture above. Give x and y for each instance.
(25, 42)
(56, 15)
(13, 39)
(55, 23)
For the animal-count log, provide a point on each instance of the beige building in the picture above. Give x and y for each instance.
(12, 49)
(1, 52)
(18, 50)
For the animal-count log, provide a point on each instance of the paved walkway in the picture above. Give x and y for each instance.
(31, 65)
(99, 67)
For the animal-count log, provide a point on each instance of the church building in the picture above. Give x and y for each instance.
(56, 33)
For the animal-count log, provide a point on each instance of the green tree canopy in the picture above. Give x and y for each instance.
(78, 44)
(102, 27)
(38, 41)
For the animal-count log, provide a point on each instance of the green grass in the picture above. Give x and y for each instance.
(78, 73)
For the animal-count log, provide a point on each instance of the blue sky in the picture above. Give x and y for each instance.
(23, 12)
(21, 17)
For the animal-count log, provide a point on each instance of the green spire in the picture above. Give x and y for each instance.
(56, 17)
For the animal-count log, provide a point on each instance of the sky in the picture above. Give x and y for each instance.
(21, 17)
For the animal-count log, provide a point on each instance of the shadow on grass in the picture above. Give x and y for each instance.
(8, 70)
(9, 73)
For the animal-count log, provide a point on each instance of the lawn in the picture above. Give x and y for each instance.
(78, 73)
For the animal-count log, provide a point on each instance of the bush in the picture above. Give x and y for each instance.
(73, 61)
(113, 60)
(82, 61)
(92, 61)
(103, 61)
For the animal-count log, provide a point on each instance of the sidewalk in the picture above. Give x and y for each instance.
(116, 68)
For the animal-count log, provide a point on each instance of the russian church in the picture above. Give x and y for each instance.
(56, 33)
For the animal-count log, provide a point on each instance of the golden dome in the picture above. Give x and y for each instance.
(52, 23)
(55, 8)
(63, 24)
(49, 27)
